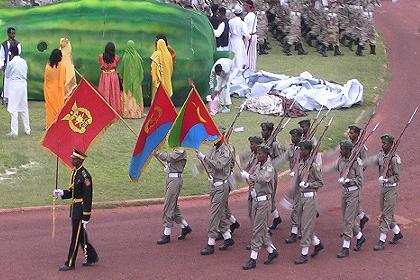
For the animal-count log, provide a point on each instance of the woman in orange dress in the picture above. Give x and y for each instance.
(109, 83)
(54, 83)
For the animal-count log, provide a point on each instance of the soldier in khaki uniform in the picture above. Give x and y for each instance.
(293, 157)
(305, 125)
(275, 152)
(175, 164)
(388, 183)
(294, 36)
(261, 180)
(307, 203)
(218, 163)
(350, 197)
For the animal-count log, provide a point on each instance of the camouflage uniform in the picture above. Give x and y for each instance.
(330, 32)
(262, 25)
(294, 36)
(370, 24)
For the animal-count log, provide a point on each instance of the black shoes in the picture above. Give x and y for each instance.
(234, 226)
(302, 259)
(164, 239)
(65, 267)
(359, 244)
(250, 264)
(276, 222)
(343, 253)
(300, 49)
(291, 239)
(317, 249)
(337, 51)
(271, 257)
(226, 244)
(379, 246)
(208, 250)
(396, 238)
(373, 49)
(90, 263)
(363, 222)
(286, 49)
(184, 232)
(323, 50)
(359, 51)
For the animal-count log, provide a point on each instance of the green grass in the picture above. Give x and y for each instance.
(109, 157)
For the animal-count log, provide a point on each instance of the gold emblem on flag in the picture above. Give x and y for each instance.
(154, 119)
(78, 118)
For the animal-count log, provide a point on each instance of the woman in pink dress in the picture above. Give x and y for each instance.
(109, 83)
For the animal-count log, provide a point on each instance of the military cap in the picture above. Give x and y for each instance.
(387, 138)
(264, 149)
(296, 131)
(267, 126)
(255, 139)
(355, 128)
(78, 154)
(307, 144)
(347, 144)
(305, 121)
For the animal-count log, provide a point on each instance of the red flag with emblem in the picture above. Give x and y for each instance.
(84, 116)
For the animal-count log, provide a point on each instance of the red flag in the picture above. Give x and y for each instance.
(80, 121)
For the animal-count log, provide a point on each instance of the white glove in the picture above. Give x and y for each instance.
(292, 174)
(210, 179)
(253, 193)
(58, 193)
(166, 169)
(200, 156)
(303, 184)
(244, 175)
(85, 223)
(347, 180)
(341, 180)
(382, 180)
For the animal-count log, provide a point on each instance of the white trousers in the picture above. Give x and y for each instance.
(14, 123)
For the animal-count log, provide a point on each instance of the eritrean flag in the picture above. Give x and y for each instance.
(193, 124)
(156, 126)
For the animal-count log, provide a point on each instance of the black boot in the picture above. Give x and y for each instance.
(234, 226)
(296, 46)
(90, 262)
(286, 49)
(164, 239)
(373, 49)
(226, 244)
(302, 259)
(359, 51)
(300, 50)
(350, 44)
(337, 51)
(267, 44)
(65, 267)
(379, 246)
(323, 50)
(291, 239)
(343, 253)
(186, 230)
(363, 222)
(208, 250)
(271, 257)
(276, 222)
(317, 249)
(396, 238)
(250, 264)
(359, 243)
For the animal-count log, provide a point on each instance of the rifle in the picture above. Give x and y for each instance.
(230, 130)
(356, 151)
(314, 127)
(314, 153)
(362, 134)
(387, 163)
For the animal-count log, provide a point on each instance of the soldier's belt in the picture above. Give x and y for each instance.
(308, 194)
(295, 14)
(261, 198)
(174, 175)
(77, 200)
(356, 7)
(332, 14)
(219, 183)
(350, 189)
(389, 185)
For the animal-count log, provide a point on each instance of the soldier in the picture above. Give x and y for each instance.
(354, 133)
(370, 24)
(175, 164)
(307, 202)
(350, 197)
(294, 37)
(305, 125)
(293, 157)
(262, 27)
(80, 192)
(218, 162)
(261, 180)
(388, 182)
(275, 152)
(330, 34)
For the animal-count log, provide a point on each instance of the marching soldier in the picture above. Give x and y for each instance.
(388, 182)
(305, 125)
(350, 197)
(175, 164)
(307, 203)
(261, 180)
(294, 36)
(218, 162)
(80, 192)
(275, 151)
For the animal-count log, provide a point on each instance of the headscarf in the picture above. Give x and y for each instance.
(132, 72)
(67, 60)
(162, 57)
(65, 46)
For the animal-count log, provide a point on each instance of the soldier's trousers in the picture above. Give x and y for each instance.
(307, 213)
(79, 236)
(350, 208)
(388, 203)
(295, 29)
(260, 235)
(171, 211)
(273, 194)
(250, 208)
(294, 215)
(217, 217)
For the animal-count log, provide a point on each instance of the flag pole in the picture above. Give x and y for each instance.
(113, 110)
(54, 201)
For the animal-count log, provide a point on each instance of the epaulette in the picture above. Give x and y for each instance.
(84, 174)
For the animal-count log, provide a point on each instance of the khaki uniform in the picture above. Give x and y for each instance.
(218, 162)
(293, 157)
(389, 191)
(330, 33)
(275, 152)
(296, 9)
(368, 6)
(176, 162)
(261, 180)
(350, 196)
(251, 159)
(307, 203)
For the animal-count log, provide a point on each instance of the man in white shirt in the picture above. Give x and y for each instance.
(238, 33)
(16, 74)
(221, 74)
(251, 44)
(5, 57)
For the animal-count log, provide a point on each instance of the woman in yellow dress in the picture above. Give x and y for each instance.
(161, 68)
(67, 61)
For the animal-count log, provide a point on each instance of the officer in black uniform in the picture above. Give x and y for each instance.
(80, 192)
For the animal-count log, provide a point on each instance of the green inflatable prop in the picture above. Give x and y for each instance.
(90, 24)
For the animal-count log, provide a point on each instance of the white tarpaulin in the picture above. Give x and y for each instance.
(309, 92)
